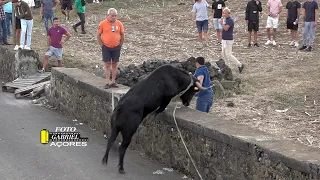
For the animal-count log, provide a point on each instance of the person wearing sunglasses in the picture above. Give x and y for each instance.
(110, 37)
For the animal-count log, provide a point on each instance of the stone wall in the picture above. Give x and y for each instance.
(14, 64)
(220, 148)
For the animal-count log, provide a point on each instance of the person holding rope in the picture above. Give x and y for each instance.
(204, 97)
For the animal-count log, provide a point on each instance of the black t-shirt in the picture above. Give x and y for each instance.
(292, 10)
(217, 7)
(309, 9)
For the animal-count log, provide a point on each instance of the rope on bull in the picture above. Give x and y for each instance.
(175, 121)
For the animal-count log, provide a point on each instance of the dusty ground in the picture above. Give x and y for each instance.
(275, 78)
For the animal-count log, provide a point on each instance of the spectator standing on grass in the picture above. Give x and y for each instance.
(3, 26)
(47, 9)
(8, 12)
(204, 97)
(274, 10)
(252, 20)
(24, 13)
(217, 8)
(55, 43)
(66, 5)
(110, 37)
(80, 10)
(293, 13)
(200, 17)
(309, 23)
(227, 24)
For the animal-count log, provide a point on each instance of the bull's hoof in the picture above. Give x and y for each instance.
(121, 171)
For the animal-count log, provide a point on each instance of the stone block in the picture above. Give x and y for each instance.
(14, 64)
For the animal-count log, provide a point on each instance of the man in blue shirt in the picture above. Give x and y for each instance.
(8, 11)
(204, 97)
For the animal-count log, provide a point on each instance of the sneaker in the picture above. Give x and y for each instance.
(74, 28)
(268, 42)
(241, 68)
(303, 47)
(296, 44)
(218, 43)
(16, 48)
(27, 47)
(256, 45)
(292, 43)
(41, 71)
(274, 42)
(309, 48)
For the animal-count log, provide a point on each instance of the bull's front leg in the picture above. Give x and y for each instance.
(163, 105)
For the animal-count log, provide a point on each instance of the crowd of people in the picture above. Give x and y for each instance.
(305, 14)
(110, 34)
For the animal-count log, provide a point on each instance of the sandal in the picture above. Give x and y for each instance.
(114, 85)
(107, 86)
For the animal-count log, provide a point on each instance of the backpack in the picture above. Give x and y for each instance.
(83, 2)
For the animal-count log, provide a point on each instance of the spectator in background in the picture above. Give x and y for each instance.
(227, 24)
(293, 13)
(252, 20)
(217, 8)
(8, 12)
(204, 97)
(110, 37)
(66, 5)
(200, 17)
(55, 43)
(24, 13)
(47, 9)
(80, 10)
(3, 26)
(309, 23)
(274, 10)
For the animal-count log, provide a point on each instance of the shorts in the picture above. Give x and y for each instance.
(291, 26)
(272, 22)
(111, 54)
(66, 5)
(202, 25)
(18, 23)
(253, 26)
(204, 103)
(55, 51)
(216, 24)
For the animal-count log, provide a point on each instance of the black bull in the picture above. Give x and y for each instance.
(151, 94)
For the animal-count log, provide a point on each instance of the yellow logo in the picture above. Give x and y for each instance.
(44, 136)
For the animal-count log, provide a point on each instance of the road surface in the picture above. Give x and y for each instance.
(22, 157)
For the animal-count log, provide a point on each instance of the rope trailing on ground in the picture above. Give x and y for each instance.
(175, 121)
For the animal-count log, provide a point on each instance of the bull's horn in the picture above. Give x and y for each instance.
(200, 87)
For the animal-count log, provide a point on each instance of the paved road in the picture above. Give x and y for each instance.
(22, 157)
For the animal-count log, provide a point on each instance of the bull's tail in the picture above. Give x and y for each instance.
(113, 137)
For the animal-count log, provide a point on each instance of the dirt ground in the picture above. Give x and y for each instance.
(280, 84)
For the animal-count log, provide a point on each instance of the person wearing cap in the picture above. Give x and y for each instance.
(204, 97)
(23, 12)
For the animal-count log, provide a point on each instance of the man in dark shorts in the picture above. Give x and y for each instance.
(252, 19)
(18, 31)
(66, 5)
(110, 37)
(293, 13)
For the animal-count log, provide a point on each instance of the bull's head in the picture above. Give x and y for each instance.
(193, 88)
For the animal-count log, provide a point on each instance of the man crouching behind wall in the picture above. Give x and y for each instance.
(204, 97)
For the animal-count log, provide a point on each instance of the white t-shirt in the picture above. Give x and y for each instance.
(201, 10)
(29, 2)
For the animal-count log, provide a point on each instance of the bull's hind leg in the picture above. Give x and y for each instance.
(113, 137)
(127, 136)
